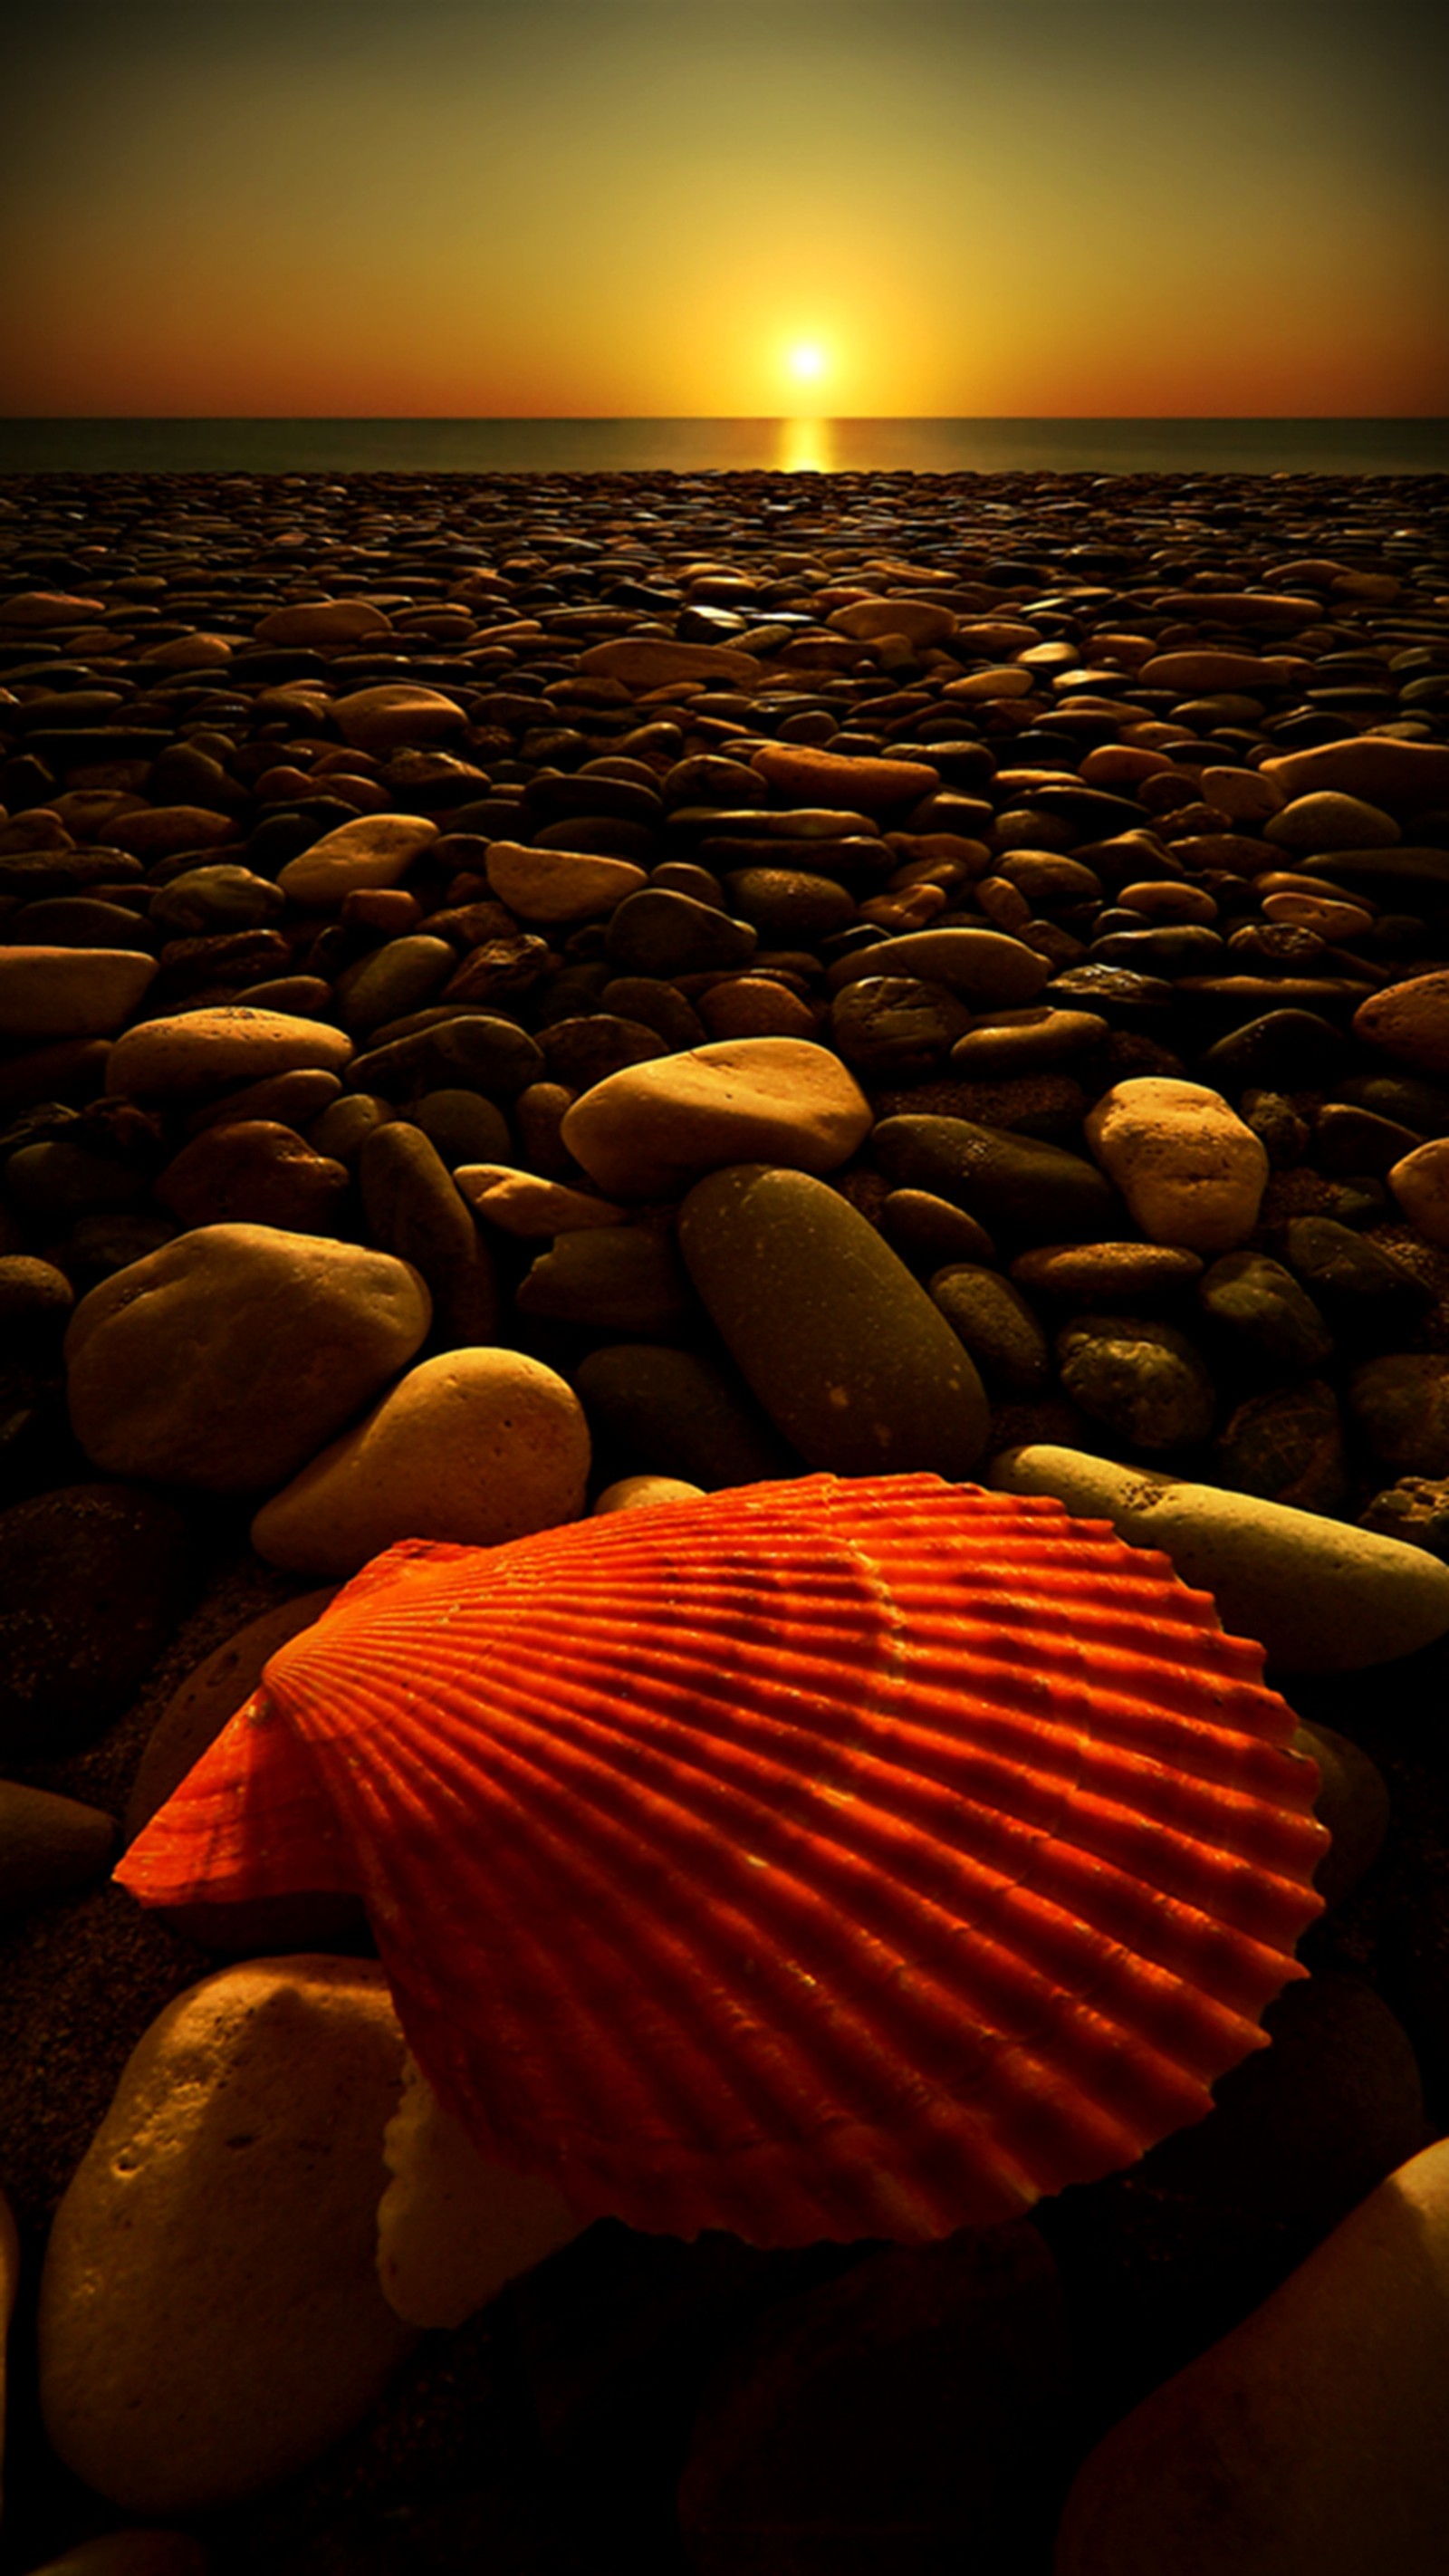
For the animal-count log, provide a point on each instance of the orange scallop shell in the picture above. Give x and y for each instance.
(817, 1859)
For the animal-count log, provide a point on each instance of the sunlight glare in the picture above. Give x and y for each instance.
(807, 362)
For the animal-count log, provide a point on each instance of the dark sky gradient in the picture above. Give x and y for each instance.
(650, 207)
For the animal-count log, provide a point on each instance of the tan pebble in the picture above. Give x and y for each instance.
(376, 850)
(907, 907)
(867, 786)
(226, 1358)
(1309, 2438)
(210, 2315)
(1122, 764)
(1410, 1021)
(1009, 680)
(636, 1493)
(644, 662)
(209, 1050)
(398, 714)
(1319, 1595)
(1402, 776)
(322, 621)
(153, 832)
(1190, 1171)
(1420, 1183)
(1046, 878)
(1329, 821)
(651, 1129)
(199, 652)
(985, 967)
(1287, 881)
(1343, 922)
(475, 1446)
(921, 621)
(1166, 899)
(257, 1171)
(48, 608)
(524, 1204)
(1004, 904)
(453, 2227)
(70, 992)
(1244, 795)
(754, 1006)
(1020, 1041)
(558, 885)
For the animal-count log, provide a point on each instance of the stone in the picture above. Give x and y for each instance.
(609, 1279)
(475, 1446)
(1261, 1317)
(789, 903)
(464, 1126)
(828, 778)
(1025, 1041)
(637, 1493)
(932, 1232)
(1287, 1444)
(204, 1052)
(1307, 2438)
(322, 622)
(223, 896)
(414, 1210)
(1352, 1801)
(225, 1359)
(660, 931)
(558, 885)
(844, 1349)
(94, 1580)
(1318, 1596)
(1420, 1183)
(400, 977)
(152, 832)
(376, 850)
(1399, 776)
(921, 621)
(894, 1028)
(1409, 1021)
(1084, 1275)
(210, 2314)
(255, 1172)
(997, 1326)
(672, 1413)
(399, 713)
(903, 2416)
(36, 1298)
(1399, 1404)
(49, 1845)
(1143, 1381)
(1189, 1169)
(70, 992)
(526, 1205)
(453, 2227)
(1364, 1293)
(1329, 820)
(475, 1049)
(984, 968)
(650, 1130)
(644, 662)
(1021, 1190)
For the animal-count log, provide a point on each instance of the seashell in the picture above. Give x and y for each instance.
(829, 1858)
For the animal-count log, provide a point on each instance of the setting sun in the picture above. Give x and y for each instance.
(807, 362)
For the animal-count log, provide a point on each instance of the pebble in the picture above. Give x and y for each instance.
(1262, 1318)
(1190, 1171)
(859, 785)
(376, 850)
(474, 1446)
(256, 1172)
(415, 1210)
(1399, 776)
(396, 714)
(1309, 2437)
(454, 2228)
(224, 1360)
(1021, 1190)
(1318, 1596)
(558, 885)
(48, 1846)
(71, 992)
(211, 1050)
(984, 967)
(1400, 1405)
(848, 1356)
(648, 1131)
(210, 2314)
(637, 1493)
(1141, 1380)
(1409, 1021)
(649, 1400)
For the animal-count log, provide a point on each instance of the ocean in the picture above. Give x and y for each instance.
(1335, 447)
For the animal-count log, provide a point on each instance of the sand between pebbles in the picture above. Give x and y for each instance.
(1034, 892)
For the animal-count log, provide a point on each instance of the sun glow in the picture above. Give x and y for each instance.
(807, 362)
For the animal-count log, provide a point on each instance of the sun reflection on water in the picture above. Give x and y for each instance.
(806, 446)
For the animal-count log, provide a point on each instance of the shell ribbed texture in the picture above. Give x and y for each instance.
(820, 1859)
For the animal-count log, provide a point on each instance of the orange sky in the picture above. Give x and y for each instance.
(636, 208)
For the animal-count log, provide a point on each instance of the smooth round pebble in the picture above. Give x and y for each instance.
(650, 1130)
(1191, 1172)
(475, 1447)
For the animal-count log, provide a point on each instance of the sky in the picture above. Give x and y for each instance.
(724, 208)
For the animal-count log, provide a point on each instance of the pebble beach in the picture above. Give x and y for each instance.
(525, 996)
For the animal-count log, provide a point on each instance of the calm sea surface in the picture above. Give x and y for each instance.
(722, 446)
